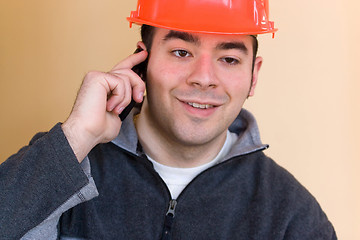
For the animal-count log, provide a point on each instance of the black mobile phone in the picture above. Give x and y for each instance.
(140, 70)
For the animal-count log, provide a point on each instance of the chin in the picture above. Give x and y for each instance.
(196, 136)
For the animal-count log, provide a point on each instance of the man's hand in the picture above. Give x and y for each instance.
(102, 97)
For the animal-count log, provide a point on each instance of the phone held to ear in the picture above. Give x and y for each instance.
(140, 70)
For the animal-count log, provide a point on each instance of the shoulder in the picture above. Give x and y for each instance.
(289, 199)
(272, 178)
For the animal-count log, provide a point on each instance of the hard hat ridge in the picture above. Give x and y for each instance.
(247, 17)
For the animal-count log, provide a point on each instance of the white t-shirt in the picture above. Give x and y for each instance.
(177, 179)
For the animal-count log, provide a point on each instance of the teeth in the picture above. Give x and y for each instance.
(198, 105)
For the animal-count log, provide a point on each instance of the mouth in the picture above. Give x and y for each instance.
(200, 106)
(200, 109)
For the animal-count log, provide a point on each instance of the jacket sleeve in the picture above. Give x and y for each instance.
(310, 222)
(40, 182)
(306, 219)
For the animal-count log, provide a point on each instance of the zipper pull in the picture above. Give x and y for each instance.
(169, 218)
(172, 207)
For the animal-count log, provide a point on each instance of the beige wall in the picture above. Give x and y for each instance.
(307, 101)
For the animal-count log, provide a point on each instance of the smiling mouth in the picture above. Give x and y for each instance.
(200, 106)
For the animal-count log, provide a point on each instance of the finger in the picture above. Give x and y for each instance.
(116, 96)
(121, 97)
(130, 61)
(136, 83)
(129, 85)
(138, 91)
(119, 90)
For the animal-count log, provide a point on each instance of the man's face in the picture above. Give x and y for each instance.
(197, 84)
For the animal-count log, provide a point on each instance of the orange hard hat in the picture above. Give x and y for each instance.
(246, 17)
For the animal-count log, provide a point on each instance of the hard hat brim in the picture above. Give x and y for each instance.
(193, 30)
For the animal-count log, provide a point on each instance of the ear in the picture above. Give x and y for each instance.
(257, 66)
(140, 44)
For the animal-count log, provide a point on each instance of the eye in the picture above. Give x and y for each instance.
(181, 53)
(230, 60)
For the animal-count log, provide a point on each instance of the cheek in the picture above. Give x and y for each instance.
(237, 84)
(164, 74)
(160, 81)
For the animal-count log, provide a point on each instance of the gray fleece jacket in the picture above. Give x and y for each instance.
(46, 194)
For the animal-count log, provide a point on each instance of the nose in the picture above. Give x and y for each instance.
(202, 73)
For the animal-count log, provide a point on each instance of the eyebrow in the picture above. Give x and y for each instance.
(187, 37)
(233, 45)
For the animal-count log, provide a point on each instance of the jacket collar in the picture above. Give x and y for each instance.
(244, 126)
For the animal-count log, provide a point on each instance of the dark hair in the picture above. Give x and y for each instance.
(147, 36)
(255, 50)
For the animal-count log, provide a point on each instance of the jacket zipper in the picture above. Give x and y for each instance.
(169, 218)
(170, 214)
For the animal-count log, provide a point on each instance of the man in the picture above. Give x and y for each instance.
(186, 164)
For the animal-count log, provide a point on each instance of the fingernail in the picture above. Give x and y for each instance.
(141, 95)
(120, 109)
(110, 108)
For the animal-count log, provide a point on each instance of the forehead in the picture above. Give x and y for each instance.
(243, 42)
